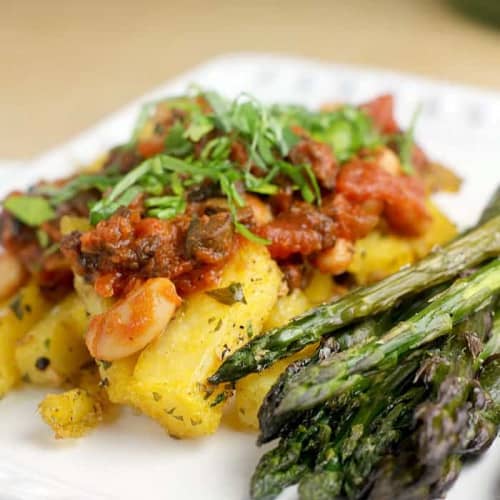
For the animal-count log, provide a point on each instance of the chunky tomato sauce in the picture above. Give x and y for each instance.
(191, 248)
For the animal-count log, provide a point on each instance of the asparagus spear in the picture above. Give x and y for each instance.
(492, 209)
(313, 444)
(401, 477)
(349, 370)
(352, 457)
(490, 381)
(289, 461)
(492, 347)
(347, 473)
(373, 447)
(465, 252)
(411, 474)
(349, 336)
(442, 419)
(484, 422)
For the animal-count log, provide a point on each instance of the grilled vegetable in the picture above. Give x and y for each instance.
(349, 371)
(397, 419)
(348, 337)
(465, 252)
(316, 450)
(449, 424)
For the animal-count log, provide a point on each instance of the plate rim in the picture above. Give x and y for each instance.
(32, 168)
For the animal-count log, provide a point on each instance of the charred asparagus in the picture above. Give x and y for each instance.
(469, 250)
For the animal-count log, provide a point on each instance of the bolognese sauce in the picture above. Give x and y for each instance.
(306, 184)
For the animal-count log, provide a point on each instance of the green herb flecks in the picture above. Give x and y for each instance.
(16, 306)
(167, 170)
(176, 144)
(31, 210)
(43, 238)
(144, 115)
(198, 148)
(220, 398)
(346, 129)
(229, 295)
(84, 182)
(147, 110)
(406, 143)
(200, 126)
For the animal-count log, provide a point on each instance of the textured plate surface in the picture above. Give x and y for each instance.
(133, 458)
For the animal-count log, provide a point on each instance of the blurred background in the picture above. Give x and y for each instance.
(65, 63)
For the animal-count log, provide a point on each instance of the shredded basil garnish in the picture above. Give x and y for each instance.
(229, 295)
(197, 149)
(16, 306)
(31, 210)
(406, 142)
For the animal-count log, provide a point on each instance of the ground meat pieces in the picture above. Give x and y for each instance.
(295, 272)
(126, 243)
(238, 153)
(14, 233)
(127, 246)
(122, 159)
(321, 158)
(198, 279)
(79, 204)
(402, 196)
(55, 275)
(302, 229)
(50, 268)
(210, 239)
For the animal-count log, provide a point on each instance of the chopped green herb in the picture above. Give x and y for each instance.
(220, 108)
(83, 182)
(144, 115)
(156, 396)
(228, 295)
(249, 330)
(346, 129)
(265, 133)
(16, 307)
(31, 210)
(51, 249)
(406, 142)
(43, 238)
(106, 364)
(217, 149)
(220, 398)
(200, 126)
(46, 343)
(176, 143)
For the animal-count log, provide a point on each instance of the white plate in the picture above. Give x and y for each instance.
(133, 458)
